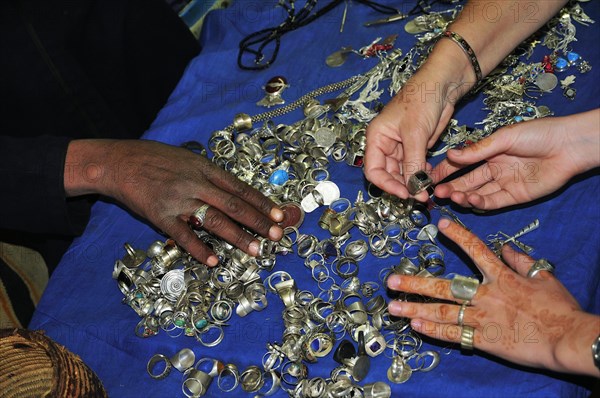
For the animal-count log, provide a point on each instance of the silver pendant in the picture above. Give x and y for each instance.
(338, 58)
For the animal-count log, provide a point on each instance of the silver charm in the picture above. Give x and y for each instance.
(580, 16)
(273, 89)
(339, 57)
(584, 67)
(568, 91)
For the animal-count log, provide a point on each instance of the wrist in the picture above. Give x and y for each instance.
(573, 351)
(88, 167)
(583, 134)
(454, 69)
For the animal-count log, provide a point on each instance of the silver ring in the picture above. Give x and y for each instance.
(461, 313)
(466, 337)
(198, 216)
(157, 358)
(183, 360)
(540, 265)
(463, 288)
(418, 182)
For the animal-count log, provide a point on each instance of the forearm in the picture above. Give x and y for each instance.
(492, 29)
(32, 172)
(495, 28)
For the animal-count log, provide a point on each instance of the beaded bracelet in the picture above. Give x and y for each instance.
(458, 39)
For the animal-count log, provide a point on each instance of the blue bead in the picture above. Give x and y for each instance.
(518, 119)
(279, 177)
(561, 64)
(201, 323)
(573, 57)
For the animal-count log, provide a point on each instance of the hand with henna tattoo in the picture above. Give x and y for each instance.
(532, 321)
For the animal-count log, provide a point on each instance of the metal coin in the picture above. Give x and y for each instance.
(546, 81)
(325, 137)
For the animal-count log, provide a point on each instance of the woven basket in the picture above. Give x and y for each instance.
(32, 365)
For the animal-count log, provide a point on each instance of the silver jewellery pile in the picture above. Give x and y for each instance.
(197, 377)
(341, 314)
(512, 90)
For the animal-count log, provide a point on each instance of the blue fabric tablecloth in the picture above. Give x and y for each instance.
(82, 307)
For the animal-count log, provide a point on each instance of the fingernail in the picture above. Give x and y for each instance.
(275, 232)
(253, 248)
(444, 223)
(456, 152)
(212, 261)
(276, 214)
(416, 324)
(395, 307)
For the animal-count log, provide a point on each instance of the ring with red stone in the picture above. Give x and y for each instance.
(197, 218)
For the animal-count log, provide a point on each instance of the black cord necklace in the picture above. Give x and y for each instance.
(252, 48)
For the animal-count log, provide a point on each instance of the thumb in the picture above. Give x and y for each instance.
(414, 156)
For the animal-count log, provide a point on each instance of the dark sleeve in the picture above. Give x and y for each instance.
(32, 197)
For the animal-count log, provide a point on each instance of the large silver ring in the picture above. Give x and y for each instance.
(198, 216)
(461, 313)
(466, 337)
(540, 265)
(418, 182)
(464, 288)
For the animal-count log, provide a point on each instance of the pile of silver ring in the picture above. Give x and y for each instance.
(171, 291)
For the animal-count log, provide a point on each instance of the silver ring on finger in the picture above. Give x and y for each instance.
(198, 216)
(461, 313)
(467, 334)
(540, 265)
(464, 288)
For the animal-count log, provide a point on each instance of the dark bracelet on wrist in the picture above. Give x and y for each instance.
(458, 39)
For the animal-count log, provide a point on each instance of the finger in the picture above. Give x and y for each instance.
(376, 171)
(460, 198)
(438, 331)
(388, 183)
(414, 149)
(486, 261)
(250, 196)
(496, 200)
(484, 149)
(519, 262)
(186, 238)
(222, 226)
(473, 180)
(236, 208)
(443, 170)
(434, 312)
(430, 287)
